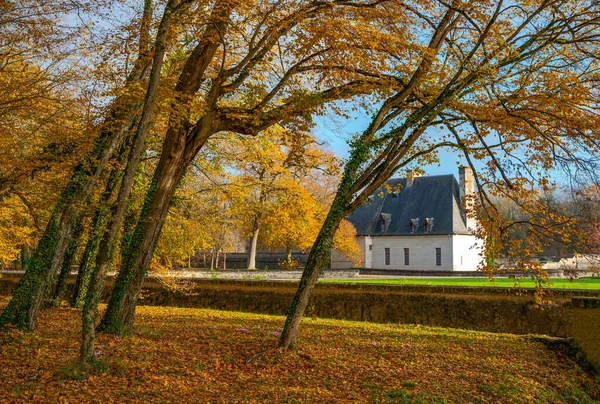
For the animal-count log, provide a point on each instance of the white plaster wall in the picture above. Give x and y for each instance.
(422, 252)
(366, 245)
(467, 251)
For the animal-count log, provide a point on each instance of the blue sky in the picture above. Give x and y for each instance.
(336, 132)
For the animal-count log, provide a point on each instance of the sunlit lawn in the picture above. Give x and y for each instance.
(558, 283)
(193, 355)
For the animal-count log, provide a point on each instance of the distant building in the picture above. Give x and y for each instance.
(417, 223)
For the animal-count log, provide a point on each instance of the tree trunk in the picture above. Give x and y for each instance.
(181, 145)
(252, 245)
(317, 260)
(288, 254)
(47, 257)
(88, 256)
(108, 244)
(65, 271)
(24, 256)
(95, 235)
(118, 318)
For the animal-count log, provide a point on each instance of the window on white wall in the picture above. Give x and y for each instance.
(438, 256)
(387, 256)
(406, 256)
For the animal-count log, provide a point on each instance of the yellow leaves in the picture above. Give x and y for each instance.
(344, 241)
(198, 355)
(16, 229)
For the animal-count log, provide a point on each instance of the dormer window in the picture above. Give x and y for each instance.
(384, 221)
(428, 225)
(413, 224)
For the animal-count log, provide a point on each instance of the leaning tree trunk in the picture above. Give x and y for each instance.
(120, 312)
(65, 271)
(48, 256)
(181, 145)
(88, 256)
(108, 243)
(317, 260)
(97, 230)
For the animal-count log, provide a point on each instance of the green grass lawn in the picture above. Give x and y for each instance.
(556, 283)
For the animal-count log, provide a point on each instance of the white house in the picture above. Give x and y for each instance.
(417, 224)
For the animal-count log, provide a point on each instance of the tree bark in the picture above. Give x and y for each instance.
(47, 257)
(108, 244)
(181, 145)
(65, 271)
(318, 259)
(118, 318)
(252, 245)
(95, 234)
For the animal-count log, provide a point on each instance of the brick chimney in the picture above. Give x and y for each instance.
(467, 189)
(466, 182)
(410, 178)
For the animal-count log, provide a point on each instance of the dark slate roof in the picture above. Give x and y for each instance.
(434, 197)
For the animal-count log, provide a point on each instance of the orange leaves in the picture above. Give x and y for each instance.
(192, 355)
(344, 241)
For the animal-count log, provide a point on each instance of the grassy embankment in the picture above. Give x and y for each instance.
(556, 283)
(194, 355)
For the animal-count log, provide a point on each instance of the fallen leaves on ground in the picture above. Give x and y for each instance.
(178, 355)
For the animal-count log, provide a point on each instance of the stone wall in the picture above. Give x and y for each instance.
(571, 313)
(259, 274)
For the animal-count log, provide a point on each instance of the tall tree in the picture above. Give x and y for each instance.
(108, 242)
(253, 65)
(47, 257)
(513, 83)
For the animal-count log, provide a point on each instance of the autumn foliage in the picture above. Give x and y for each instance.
(192, 355)
(143, 133)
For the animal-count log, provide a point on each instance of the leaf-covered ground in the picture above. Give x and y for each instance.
(194, 355)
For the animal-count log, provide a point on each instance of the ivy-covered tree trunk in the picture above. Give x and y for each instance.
(47, 257)
(108, 244)
(65, 271)
(88, 257)
(320, 252)
(99, 221)
(120, 312)
(182, 143)
(318, 259)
